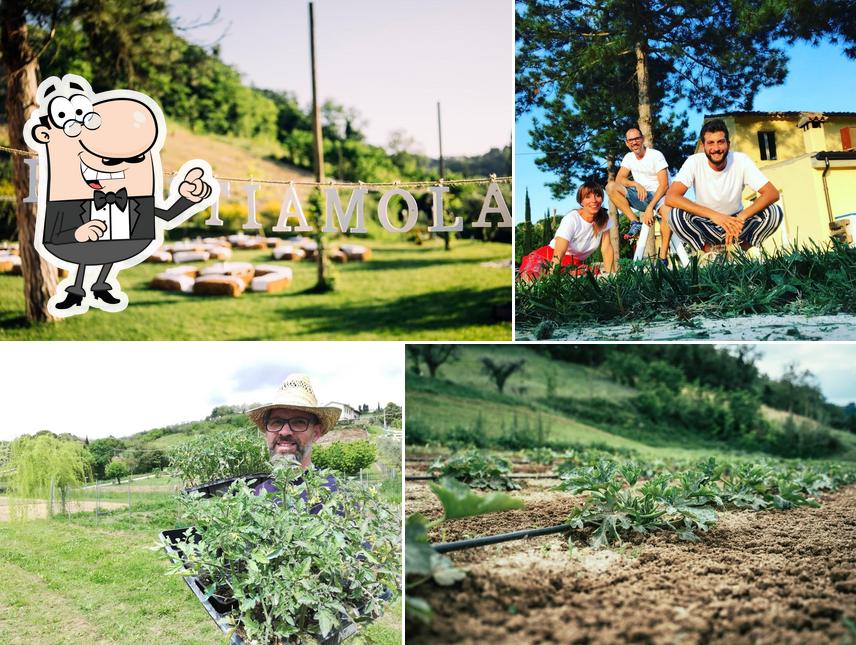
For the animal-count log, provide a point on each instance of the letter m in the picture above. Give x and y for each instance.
(334, 205)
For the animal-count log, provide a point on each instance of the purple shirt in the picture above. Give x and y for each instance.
(269, 486)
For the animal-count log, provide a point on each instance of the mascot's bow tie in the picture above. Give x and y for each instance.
(120, 198)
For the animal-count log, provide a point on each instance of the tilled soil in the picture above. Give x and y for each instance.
(774, 577)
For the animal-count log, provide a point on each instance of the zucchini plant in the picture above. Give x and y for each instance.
(423, 563)
(298, 562)
(476, 469)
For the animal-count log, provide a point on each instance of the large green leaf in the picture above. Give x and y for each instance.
(459, 501)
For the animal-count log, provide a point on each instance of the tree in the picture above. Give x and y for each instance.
(103, 451)
(527, 234)
(392, 413)
(499, 371)
(414, 353)
(22, 69)
(118, 469)
(435, 355)
(43, 464)
(548, 231)
(620, 59)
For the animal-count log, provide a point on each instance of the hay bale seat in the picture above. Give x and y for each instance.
(219, 252)
(185, 270)
(288, 252)
(172, 282)
(219, 285)
(356, 252)
(10, 263)
(160, 256)
(247, 242)
(217, 241)
(264, 269)
(190, 256)
(243, 270)
(336, 255)
(272, 282)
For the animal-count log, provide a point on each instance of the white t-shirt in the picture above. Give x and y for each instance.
(721, 189)
(645, 169)
(582, 241)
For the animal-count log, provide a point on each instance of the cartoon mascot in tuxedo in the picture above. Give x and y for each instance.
(100, 198)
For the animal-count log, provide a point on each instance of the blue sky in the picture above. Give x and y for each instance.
(819, 79)
(390, 60)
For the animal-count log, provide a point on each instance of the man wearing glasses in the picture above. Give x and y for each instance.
(646, 191)
(293, 420)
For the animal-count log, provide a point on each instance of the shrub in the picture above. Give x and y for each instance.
(476, 469)
(297, 567)
(219, 455)
(349, 458)
(117, 469)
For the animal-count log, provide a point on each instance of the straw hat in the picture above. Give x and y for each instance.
(296, 392)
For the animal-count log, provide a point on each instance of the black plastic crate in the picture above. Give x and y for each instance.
(219, 609)
(219, 487)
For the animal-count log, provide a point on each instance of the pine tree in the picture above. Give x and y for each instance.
(527, 231)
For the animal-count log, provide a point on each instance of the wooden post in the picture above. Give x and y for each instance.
(318, 149)
(440, 135)
(21, 64)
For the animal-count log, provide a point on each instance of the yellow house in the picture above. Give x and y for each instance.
(810, 158)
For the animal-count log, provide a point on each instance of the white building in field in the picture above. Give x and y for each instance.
(348, 413)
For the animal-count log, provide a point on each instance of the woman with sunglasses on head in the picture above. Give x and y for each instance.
(579, 235)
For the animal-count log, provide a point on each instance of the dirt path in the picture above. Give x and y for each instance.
(776, 577)
(39, 510)
(756, 327)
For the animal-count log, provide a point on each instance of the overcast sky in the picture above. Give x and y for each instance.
(121, 388)
(391, 60)
(831, 363)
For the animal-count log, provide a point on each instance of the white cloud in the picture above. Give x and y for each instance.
(120, 388)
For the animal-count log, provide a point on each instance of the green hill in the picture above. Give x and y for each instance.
(588, 407)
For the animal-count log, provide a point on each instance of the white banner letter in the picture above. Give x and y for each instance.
(32, 164)
(412, 211)
(501, 208)
(284, 213)
(334, 204)
(437, 210)
(252, 223)
(214, 220)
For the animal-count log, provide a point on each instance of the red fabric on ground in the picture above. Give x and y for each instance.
(534, 264)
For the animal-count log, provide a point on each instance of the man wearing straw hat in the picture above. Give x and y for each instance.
(293, 420)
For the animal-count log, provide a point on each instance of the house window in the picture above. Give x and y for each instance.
(767, 145)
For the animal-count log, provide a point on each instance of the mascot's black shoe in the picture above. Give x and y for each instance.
(71, 300)
(106, 296)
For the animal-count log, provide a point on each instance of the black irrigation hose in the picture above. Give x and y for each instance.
(496, 539)
(409, 478)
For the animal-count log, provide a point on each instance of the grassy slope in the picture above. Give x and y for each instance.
(461, 392)
(405, 291)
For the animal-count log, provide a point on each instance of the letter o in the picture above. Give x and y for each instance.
(412, 210)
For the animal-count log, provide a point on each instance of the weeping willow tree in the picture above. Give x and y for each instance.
(42, 465)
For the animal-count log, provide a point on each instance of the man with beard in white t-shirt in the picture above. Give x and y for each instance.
(645, 192)
(717, 216)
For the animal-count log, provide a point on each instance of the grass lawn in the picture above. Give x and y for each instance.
(70, 584)
(403, 292)
(81, 580)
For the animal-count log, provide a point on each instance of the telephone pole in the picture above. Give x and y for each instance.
(440, 134)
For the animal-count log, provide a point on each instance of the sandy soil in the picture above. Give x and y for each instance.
(773, 577)
(756, 327)
(38, 510)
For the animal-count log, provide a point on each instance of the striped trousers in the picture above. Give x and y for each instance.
(699, 231)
